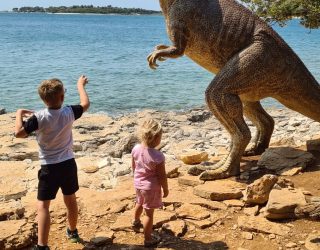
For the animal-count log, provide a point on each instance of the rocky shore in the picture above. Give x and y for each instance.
(271, 205)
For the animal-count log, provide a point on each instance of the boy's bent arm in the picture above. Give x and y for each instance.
(162, 176)
(19, 129)
(84, 99)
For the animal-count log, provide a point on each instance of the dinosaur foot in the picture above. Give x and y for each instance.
(254, 151)
(197, 170)
(220, 173)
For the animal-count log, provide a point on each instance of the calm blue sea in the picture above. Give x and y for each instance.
(111, 51)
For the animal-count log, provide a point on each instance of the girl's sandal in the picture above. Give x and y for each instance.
(151, 243)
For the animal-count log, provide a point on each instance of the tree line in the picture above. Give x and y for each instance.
(87, 9)
(280, 11)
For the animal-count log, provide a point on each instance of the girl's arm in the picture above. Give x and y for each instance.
(133, 165)
(162, 176)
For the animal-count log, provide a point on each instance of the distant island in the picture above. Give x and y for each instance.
(87, 9)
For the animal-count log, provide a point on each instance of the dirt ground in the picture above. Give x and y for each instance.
(220, 237)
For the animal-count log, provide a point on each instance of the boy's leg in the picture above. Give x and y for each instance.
(72, 207)
(43, 222)
(148, 224)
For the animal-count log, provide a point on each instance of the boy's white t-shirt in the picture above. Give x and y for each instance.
(53, 129)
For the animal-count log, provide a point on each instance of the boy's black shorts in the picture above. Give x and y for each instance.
(54, 176)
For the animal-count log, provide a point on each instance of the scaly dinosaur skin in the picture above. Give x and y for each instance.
(250, 61)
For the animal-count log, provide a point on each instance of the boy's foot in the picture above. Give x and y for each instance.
(73, 236)
(37, 247)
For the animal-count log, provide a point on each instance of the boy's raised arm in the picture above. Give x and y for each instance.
(84, 99)
(19, 129)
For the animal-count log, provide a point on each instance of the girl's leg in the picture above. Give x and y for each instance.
(72, 207)
(148, 224)
(43, 222)
(137, 212)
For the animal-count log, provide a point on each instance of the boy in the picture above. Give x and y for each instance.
(53, 127)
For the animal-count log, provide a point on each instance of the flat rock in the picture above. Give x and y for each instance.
(193, 157)
(190, 180)
(281, 158)
(233, 203)
(193, 212)
(12, 209)
(258, 191)
(220, 190)
(16, 234)
(172, 168)
(88, 165)
(162, 217)
(103, 238)
(13, 180)
(261, 225)
(282, 203)
(176, 228)
(124, 221)
(251, 211)
(313, 242)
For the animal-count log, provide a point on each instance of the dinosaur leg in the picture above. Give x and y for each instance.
(197, 170)
(264, 124)
(238, 78)
(228, 110)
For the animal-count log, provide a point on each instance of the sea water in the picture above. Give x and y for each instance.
(111, 50)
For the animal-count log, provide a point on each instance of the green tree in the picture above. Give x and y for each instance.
(283, 10)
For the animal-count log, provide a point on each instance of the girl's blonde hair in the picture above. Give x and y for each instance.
(148, 131)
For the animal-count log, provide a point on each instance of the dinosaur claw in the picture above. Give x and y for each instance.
(195, 170)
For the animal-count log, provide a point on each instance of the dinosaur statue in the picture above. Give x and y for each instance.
(250, 61)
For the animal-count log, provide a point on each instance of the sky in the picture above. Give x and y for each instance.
(145, 4)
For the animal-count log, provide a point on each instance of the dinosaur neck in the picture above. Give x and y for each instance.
(165, 5)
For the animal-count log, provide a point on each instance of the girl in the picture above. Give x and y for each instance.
(148, 165)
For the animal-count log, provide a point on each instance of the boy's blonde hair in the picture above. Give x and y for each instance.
(50, 89)
(149, 130)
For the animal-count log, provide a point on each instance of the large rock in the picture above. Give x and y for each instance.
(193, 157)
(282, 203)
(314, 144)
(284, 158)
(16, 234)
(258, 191)
(220, 190)
(261, 225)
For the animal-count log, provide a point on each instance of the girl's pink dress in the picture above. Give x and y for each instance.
(146, 183)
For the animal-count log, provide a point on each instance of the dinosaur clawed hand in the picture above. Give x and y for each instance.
(152, 59)
(154, 56)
